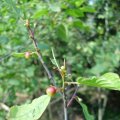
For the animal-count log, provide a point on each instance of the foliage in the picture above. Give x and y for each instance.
(32, 111)
(85, 110)
(84, 32)
(108, 80)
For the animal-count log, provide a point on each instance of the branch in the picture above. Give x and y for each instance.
(38, 52)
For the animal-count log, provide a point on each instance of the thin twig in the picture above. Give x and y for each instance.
(39, 54)
(73, 97)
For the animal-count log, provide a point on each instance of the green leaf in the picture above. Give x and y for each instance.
(14, 82)
(75, 12)
(98, 69)
(30, 71)
(78, 24)
(87, 115)
(108, 80)
(88, 9)
(1, 91)
(3, 39)
(79, 2)
(40, 13)
(55, 7)
(43, 46)
(101, 16)
(13, 7)
(18, 54)
(62, 32)
(31, 111)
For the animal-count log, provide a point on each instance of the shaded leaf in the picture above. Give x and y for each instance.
(62, 32)
(43, 46)
(3, 39)
(55, 7)
(13, 7)
(13, 82)
(87, 115)
(78, 24)
(30, 71)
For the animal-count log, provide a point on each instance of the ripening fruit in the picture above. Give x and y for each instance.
(51, 91)
(27, 55)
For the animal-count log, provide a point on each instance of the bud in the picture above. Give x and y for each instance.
(27, 23)
(62, 71)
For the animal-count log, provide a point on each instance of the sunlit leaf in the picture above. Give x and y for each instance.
(108, 80)
(18, 54)
(31, 111)
(88, 9)
(40, 13)
(79, 2)
(55, 7)
(75, 12)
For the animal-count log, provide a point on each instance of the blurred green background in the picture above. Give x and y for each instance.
(86, 33)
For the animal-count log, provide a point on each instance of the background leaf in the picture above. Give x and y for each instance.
(79, 2)
(40, 13)
(87, 9)
(62, 32)
(12, 5)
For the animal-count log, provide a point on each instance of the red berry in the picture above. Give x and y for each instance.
(27, 55)
(51, 91)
